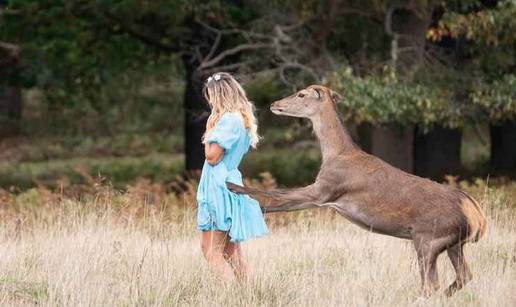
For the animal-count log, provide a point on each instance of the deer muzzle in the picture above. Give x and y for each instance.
(276, 108)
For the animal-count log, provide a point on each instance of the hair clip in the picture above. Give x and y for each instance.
(215, 77)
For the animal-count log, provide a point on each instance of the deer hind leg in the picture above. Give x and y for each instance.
(427, 252)
(456, 255)
(427, 261)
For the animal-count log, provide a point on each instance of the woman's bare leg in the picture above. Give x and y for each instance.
(213, 244)
(234, 256)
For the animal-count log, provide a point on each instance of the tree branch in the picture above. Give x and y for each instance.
(246, 33)
(278, 40)
(214, 47)
(14, 50)
(232, 51)
(228, 67)
(388, 20)
(149, 40)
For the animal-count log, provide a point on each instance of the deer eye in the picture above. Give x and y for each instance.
(300, 95)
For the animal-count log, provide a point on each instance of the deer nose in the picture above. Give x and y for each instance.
(275, 106)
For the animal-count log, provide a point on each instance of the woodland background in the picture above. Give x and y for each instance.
(112, 89)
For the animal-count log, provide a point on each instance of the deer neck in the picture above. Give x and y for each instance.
(331, 133)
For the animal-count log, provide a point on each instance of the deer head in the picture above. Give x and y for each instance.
(306, 103)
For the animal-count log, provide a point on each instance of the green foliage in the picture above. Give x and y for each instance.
(384, 98)
(87, 66)
(498, 98)
(92, 59)
(263, 91)
(484, 26)
(112, 68)
(119, 171)
(290, 168)
(120, 145)
(479, 86)
(489, 35)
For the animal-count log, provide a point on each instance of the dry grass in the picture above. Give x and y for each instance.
(134, 250)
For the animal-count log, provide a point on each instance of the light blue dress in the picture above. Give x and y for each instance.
(219, 208)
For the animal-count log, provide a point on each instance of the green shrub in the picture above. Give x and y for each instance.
(117, 170)
(289, 167)
(123, 144)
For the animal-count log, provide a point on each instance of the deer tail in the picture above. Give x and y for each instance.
(476, 219)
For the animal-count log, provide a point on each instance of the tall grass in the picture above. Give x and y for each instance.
(140, 248)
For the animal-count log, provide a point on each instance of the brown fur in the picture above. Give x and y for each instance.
(475, 217)
(376, 195)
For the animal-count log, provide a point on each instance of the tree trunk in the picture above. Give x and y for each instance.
(503, 147)
(410, 29)
(10, 95)
(10, 110)
(437, 152)
(392, 144)
(196, 113)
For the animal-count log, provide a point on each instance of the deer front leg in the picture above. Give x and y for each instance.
(277, 200)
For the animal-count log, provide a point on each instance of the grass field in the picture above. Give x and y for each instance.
(140, 248)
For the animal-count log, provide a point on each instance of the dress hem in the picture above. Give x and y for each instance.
(214, 228)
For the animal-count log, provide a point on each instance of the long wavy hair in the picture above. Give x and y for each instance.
(225, 94)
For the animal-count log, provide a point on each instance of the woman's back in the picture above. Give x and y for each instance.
(230, 134)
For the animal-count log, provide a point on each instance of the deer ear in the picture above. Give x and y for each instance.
(336, 97)
(317, 93)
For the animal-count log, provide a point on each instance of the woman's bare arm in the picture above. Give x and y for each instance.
(213, 153)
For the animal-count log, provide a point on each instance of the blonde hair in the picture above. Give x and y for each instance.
(225, 94)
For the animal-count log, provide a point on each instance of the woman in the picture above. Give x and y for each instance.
(225, 218)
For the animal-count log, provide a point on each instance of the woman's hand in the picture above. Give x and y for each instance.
(213, 153)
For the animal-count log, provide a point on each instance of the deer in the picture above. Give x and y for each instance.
(377, 196)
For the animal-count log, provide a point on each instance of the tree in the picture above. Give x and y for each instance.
(403, 54)
(487, 32)
(418, 67)
(10, 99)
(464, 76)
(78, 46)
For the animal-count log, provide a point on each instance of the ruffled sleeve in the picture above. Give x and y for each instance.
(227, 131)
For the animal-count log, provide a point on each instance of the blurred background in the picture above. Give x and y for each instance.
(109, 91)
